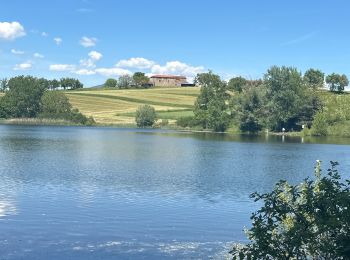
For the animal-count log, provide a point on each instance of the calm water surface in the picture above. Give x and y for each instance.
(99, 193)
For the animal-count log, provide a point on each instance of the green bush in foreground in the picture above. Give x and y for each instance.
(145, 116)
(307, 221)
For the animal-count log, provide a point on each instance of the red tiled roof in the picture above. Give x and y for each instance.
(168, 77)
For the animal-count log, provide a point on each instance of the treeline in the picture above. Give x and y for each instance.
(283, 100)
(63, 83)
(137, 80)
(30, 97)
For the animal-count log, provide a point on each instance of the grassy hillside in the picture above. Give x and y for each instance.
(119, 106)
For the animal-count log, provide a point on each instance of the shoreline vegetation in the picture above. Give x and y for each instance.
(284, 102)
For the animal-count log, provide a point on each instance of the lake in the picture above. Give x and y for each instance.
(106, 193)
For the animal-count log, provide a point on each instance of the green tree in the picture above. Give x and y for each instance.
(140, 80)
(286, 94)
(125, 81)
(70, 83)
(145, 116)
(23, 97)
(54, 84)
(306, 221)
(210, 107)
(237, 84)
(249, 108)
(55, 103)
(110, 83)
(337, 82)
(314, 79)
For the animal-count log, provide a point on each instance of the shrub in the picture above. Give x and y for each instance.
(186, 121)
(145, 116)
(319, 125)
(55, 105)
(307, 221)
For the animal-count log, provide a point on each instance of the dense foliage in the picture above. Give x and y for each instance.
(210, 107)
(23, 97)
(306, 221)
(55, 105)
(237, 84)
(145, 116)
(283, 100)
(30, 97)
(334, 118)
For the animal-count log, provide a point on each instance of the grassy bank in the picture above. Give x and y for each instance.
(36, 121)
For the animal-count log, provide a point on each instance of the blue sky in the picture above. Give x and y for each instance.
(93, 40)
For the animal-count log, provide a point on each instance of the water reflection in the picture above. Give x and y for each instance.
(7, 208)
(71, 187)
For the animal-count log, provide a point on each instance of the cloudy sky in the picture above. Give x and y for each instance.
(96, 39)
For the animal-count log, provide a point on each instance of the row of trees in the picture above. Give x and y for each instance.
(137, 80)
(28, 97)
(63, 83)
(283, 99)
(313, 78)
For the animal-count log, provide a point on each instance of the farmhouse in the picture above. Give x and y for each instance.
(168, 81)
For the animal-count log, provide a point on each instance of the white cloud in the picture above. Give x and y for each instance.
(44, 34)
(108, 72)
(17, 52)
(11, 31)
(23, 66)
(85, 72)
(94, 55)
(177, 68)
(38, 55)
(88, 42)
(90, 62)
(58, 40)
(137, 63)
(62, 67)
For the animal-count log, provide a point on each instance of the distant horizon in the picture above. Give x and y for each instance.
(101, 39)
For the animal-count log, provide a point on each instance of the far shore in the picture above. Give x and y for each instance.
(59, 122)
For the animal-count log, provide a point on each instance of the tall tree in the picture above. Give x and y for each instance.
(210, 107)
(286, 94)
(70, 83)
(125, 81)
(314, 79)
(337, 82)
(54, 84)
(140, 79)
(110, 83)
(24, 96)
(249, 108)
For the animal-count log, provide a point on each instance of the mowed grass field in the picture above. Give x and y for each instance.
(119, 106)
